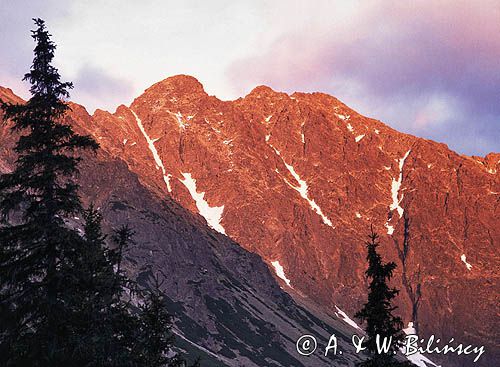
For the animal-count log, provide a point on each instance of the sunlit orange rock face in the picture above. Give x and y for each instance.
(299, 179)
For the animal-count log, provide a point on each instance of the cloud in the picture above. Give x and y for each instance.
(94, 86)
(97, 88)
(15, 41)
(428, 68)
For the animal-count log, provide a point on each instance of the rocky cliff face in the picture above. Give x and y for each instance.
(298, 179)
(228, 307)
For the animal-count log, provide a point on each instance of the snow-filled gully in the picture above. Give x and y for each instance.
(396, 198)
(303, 189)
(152, 148)
(464, 260)
(280, 272)
(213, 215)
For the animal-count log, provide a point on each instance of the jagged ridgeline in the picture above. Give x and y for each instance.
(297, 180)
(73, 296)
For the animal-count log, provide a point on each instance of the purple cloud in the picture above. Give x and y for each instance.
(94, 87)
(97, 88)
(431, 69)
(15, 41)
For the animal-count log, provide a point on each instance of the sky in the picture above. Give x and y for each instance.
(428, 68)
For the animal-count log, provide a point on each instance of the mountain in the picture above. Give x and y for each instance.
(297, 180)
(228, 307)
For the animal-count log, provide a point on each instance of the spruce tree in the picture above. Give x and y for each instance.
(105, 322)
(123, 318)
(377, 313)
(130, 327)
(156, 337)
(62, 294)
(38, 250)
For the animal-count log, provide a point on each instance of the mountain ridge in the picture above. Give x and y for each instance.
(301, 177)
(214, 288)
(8, 94)
(184, 82)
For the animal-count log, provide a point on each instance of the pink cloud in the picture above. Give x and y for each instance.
(394, 53)
(98, 88)
(387, 45)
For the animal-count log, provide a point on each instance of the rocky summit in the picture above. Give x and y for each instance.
(231, 198)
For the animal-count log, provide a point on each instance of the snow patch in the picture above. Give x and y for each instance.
(464, 260)
(417, 358)
(377, 131)
(134, 143)
(212, 215)
(343, 117)
(302, 189)
(359, 137)
(268, 136)
(280, 272)
(410, 330)
(182, 124)
(125, 141)
(350, 128)
(358, 215)
(387, 168)
(268, 118)
(303, 138)
(390, 229)
(342, 315)
(396, 186)
(156, 156)
(396, 200)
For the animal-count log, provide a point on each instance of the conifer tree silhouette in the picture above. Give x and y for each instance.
(377, 313)
(62, 293)
(37, 248)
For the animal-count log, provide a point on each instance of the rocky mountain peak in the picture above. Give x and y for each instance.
(298, 179)
(176, 86)
(263, 91)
